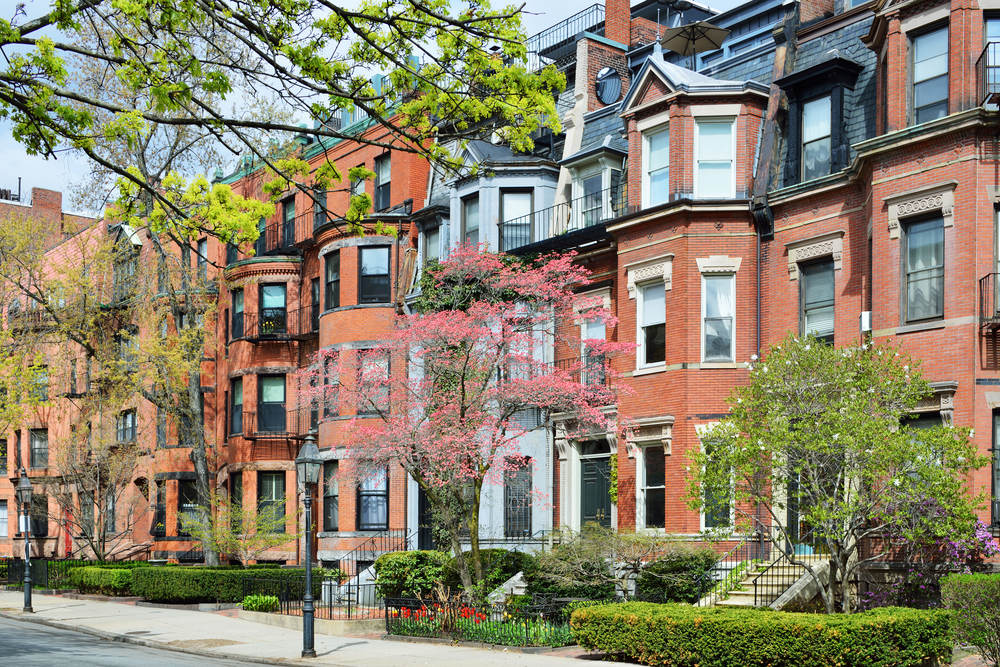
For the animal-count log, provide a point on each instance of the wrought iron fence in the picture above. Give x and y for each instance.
(45, 572)
(494, 623)
(334, 598)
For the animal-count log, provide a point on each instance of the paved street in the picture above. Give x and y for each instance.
(33, 645)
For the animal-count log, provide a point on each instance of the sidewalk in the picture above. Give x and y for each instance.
(220, 635)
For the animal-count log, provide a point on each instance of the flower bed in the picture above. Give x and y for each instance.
(509, 625)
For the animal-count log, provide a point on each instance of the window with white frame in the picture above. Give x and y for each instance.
(718, 312)
(930, 75)
(656, 166)
(715, 175)
(470, 220)
(373, 501)
(515, 218)
(816, 299)
(3, 518)
(652, 327)
(652, 487)
(432, 244)
(816, 137)
(718, 508)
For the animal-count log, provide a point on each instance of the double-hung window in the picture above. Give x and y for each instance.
(715, 176)
(3, 519)
(187, 503)
(930, 75)
(817, 287)
(924, 270)
(202, 259)
(288, 221)
(653, 487)
(470, 220)
(273, 314)
(383, 173)
(373, 383)
(237, 298)
(232, 255)
(991, 55)
(432, 245)
(237, 407)
(593, 361)
(126, 427)
(271, 498)
(656, 160)
(161, 428)
(261, 246)
(373, 501)
(718, 310)
(332, 281)
(652, 324)
(816, 137)
(517, 500)
(39, 440)
(39, 515)
(314, 305)
(331, 496)
(515, 212)
(358, 184)
(319, 207)
(374, 269)
(271, 403)
(718, 511)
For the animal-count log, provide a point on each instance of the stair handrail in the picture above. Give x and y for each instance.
(770, 573)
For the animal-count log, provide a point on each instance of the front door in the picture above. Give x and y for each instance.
(425, 519)
(596, 502)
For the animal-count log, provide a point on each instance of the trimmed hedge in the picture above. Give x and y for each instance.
(409, 573)
(103, 580)
(683, 636)
(205, 584)
(974, 600)
(498, 564)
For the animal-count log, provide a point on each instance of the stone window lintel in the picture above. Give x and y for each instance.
(648, 270)
(651, 431)
(916, 202)
(719, 264)
(813, 247)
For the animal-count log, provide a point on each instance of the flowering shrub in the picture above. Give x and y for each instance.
(974, 600)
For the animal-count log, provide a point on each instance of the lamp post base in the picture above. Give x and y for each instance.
(28, 610)
(309, 654)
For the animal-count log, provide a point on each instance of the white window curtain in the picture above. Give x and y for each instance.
(816, 124)
(818, 288)
(715, 159)
(516, 228)
(658, 167)
(3, 518)
(373, 502)
(653, 322)
(925, 270)
(719, 311)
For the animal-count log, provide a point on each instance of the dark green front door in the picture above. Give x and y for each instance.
(596, 503)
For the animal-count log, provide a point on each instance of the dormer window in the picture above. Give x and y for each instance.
(596, 177)
(817, 143)
(816, 135)
(930, 75)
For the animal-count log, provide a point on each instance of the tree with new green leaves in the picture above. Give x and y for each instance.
(240, 531)
(819, 450)
(444, 75)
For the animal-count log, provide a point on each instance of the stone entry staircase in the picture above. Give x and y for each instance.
(775, 579)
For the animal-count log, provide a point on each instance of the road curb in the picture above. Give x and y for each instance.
(148, 643)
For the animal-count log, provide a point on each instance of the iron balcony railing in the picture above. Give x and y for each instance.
(989, 302)
(274, 421)
(988, 74)
(593, 209)
(277, 324)
(560, 40)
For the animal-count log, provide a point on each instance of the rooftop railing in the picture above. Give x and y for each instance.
(560, 40)
(988, 74)
(588, 211)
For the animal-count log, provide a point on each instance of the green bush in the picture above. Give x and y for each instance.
(409, 573)
(205, 584)
(677, 578)
(265, 603)
(684, 636)
(499, 565)
(102, 580)
(974, 600)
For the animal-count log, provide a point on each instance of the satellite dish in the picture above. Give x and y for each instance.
(609, 85)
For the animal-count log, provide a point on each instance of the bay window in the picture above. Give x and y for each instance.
(374, 283)
(656, 167)
(714, 170)
(718, 310)
(652, 324)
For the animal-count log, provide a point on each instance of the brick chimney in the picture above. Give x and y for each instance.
(811, 10)
(617, 20)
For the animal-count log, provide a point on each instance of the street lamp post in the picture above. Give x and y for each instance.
(307, 468)
(23, 497)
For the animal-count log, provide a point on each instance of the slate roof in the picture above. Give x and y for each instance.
(600, 124)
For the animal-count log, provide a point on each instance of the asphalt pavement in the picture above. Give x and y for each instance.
(31, 645)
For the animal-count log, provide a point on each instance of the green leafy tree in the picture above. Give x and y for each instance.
(817, 450)
(242, 532)
(447, 75)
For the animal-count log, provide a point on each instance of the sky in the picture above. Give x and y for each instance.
(59, 173)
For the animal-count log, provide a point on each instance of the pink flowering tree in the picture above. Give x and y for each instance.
(441, 396)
